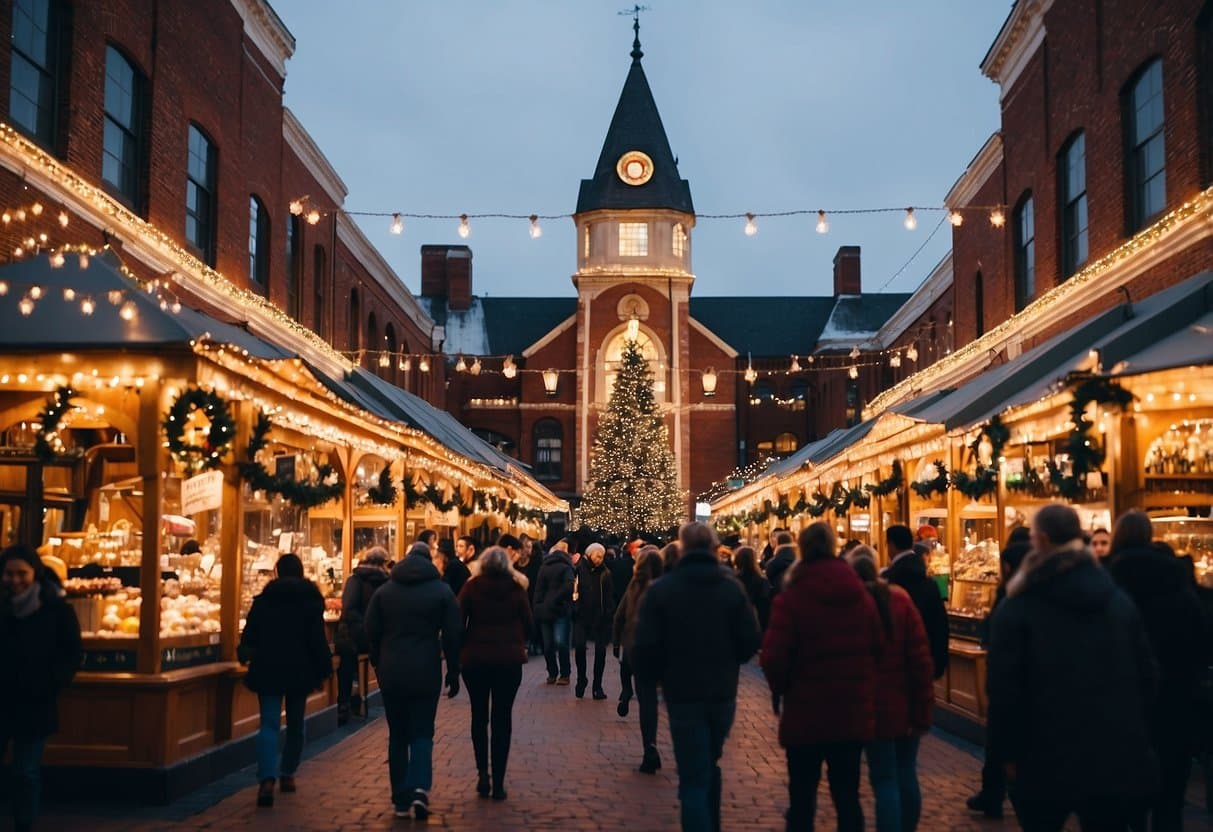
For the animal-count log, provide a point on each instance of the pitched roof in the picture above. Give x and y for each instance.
(636, 125)
(499, 326)
(856, 317)
(765, 325)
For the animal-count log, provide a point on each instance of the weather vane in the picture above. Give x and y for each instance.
(635, 14)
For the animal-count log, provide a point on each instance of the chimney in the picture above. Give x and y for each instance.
(846, 271)
(446, 274)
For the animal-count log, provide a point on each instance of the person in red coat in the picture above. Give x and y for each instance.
(820, 659)
(905, 696)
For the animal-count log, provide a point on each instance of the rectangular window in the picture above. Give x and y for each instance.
(548, 457)
(633, 239)
(1025, 254)
(679, 242)
(258, 244)
(34, 81)
(318, 293)
(200, 195)
(1073, 174)
(122, 155)
(293, 266)
(1146, 173)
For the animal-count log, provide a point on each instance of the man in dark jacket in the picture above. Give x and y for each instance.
(39, 651)
(908, 570)
(781, 560)
(554, 611)
(1071, 678)
(454, 572)
(768, 551)
(350, 639)
(594, 616)
(530, 558)
(622, 566)
(413, 623)
(696, 627)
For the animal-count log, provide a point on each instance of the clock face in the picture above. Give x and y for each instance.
(634, 168)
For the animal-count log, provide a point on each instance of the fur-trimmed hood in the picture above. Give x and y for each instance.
(1069, 574)
(519, 578)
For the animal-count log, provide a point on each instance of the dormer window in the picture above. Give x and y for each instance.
(679, 241)
(633, 239)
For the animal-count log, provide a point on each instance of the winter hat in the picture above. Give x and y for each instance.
(419, 548)
(23, 552)
(289, 566)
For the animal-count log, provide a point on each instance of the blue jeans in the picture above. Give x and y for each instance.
(410, 744)
(699, 730)
(556, 645)
(267, 735)
(27, 778)
(893, 773)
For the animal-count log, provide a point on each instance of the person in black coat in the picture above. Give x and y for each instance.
(745, 561)
(1071, 681)
(1174, 622)
(530, 558)
(413, 623)
(908, 570)
(288, 656)
(554, 611)
(622, 566)
(350, 639)
(779, 563)
(696, 628)
(39, 654)
(594, 616)
(454, 572)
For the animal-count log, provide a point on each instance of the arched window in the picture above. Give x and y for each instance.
(612, 354)
(979, 304)
(549, 442)
(294, 243)
(499, 441)
(1072, 196)
(1025, 252)
(389, 344)
(123, 145)
(318, 291)
(786, 443)
(201, 172)
(373, 344)
(1146, 163)
(353, 339)
(258, 244)
(679, 240)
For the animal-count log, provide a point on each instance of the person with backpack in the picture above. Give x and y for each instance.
(350, 639)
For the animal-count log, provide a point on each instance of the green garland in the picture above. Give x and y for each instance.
(326, 486)
(984, 480)
(938, 484)
(219, 438)
(47, 444)
(819, 504)
(384, 493)
(1085, 452)
(859, 497)
(887, 486)
(434, 497)
(840, 500)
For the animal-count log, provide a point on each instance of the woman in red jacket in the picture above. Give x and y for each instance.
(496, 619)
(904, 698)
(819, 656)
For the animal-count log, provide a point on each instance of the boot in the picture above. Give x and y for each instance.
(286, 784)
(651, 762)
(343, 714)
(482, 783)
(622, 710)
(265, 793)
(581, 685)
(599, 693)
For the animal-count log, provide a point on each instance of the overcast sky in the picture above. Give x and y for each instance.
(502, 106)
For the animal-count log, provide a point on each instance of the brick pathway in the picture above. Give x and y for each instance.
(572, 767)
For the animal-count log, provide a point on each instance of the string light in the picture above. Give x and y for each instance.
(57, 260)
(385, 360)
(536, 231)
(709, 382)
(20, 214)
(822, 226)
(36, 209)
(69, 294)
(296, 206)
(895, 360)
(35, 292)
(26, 306)
(464, 228)
(397, 224)
(405, 365)
(751, 375)
(313, 217)
(83, 260)
(87, 306)
(751, 227)
(128, 311)
(423, 365)
(997, 218)
(912, 353)
(854, 352)
(795, 367)
(509, 369)
(3, 287)
(956, 218)
(461, 366)
(910, 222)
(476, 367)
(853, 372)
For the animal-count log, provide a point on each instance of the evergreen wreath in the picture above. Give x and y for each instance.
(984, 480)
(782, 510)
(304, 494)
(1086, 454)
(411, 495)
(886, 486)
(939, 483)
(384, 493)
(840, 500)
(47, 444)
(207, 456)
(433, 496)
(859, 497)
(819, 505)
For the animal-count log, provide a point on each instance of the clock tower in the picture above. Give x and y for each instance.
(634, 220)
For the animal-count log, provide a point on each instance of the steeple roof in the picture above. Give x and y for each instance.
(637, 126)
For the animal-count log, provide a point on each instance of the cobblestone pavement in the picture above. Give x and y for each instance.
(572, 767)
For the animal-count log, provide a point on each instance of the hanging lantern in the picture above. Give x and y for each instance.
(550, 379)
(709, 382)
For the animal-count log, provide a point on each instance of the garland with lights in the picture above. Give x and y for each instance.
(304, 494)
(936, 484)
(47, 442)
(218, 436)
(984, 480)
(384, 492)
(1085, 453)
(433, 495)
(887, 486)
(745, 473)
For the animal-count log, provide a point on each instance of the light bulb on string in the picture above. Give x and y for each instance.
(509, 369)
(87, 306)
(6, 217)
(127, 311)
(69, 294)
(912, 353)
(464, 228)
(175, 307)
(115, 296)
(313, 217)
(296, 207)
(822, 225)
(536, 230)
(19, 214)
(57, 259)
(476, 367)
(385, 360)
(751, 227)
(397, 224)
(854, 352)
(956, 218)
(795, 368)
(83, 260)
(461, 366)
(424, 364)
(853, 372)
(26, 306)
(35, 292)
(895, 360)
(910, 222)
(997, 218)
(36, 209)
(404, 365)
(3, 287)
(750, 374)
(64, 219)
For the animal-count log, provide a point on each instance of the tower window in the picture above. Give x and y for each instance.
(633, 239)
(585, 242)
(679, 243)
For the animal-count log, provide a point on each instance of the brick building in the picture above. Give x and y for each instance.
(532, 374)
(161, 131)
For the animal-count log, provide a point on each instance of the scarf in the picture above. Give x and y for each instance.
(28, 602)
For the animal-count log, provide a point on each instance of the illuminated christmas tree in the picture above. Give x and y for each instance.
(632, 486)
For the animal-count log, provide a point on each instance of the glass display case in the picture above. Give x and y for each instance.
(1178, 466)
(1192, 536)
(975, 565)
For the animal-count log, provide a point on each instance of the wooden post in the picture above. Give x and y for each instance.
(346, 455)
(231, 539)
(1124, 465)
(401, 530)
(152, 462)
